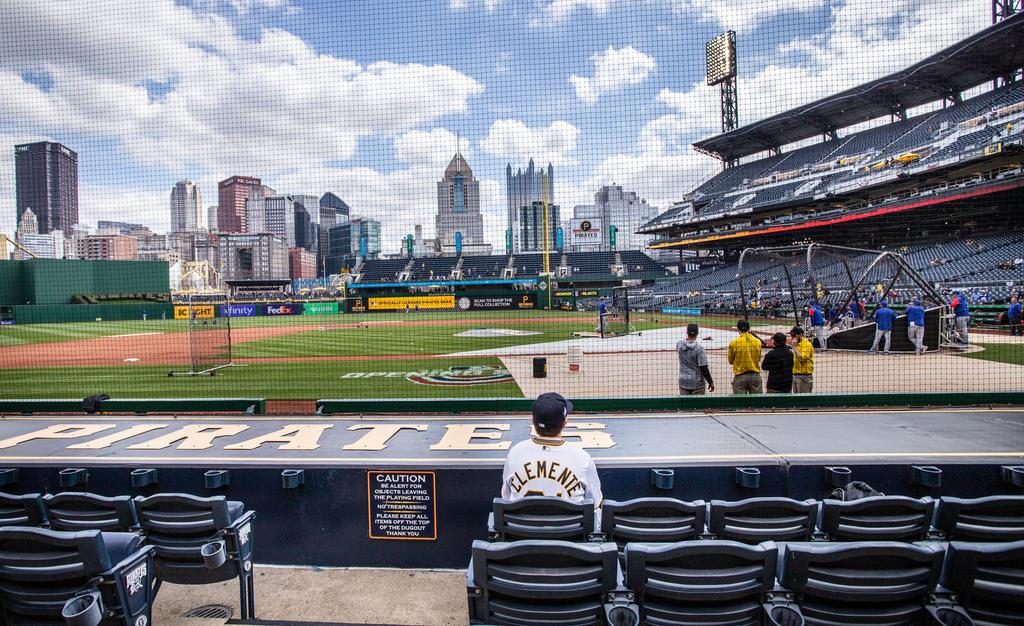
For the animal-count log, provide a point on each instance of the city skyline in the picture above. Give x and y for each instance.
(197, 93)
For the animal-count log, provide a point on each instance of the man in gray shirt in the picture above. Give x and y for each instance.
(693, 364)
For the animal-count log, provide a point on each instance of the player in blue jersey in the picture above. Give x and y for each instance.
(884, 318)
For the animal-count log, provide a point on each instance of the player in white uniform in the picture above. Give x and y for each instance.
(546, 465)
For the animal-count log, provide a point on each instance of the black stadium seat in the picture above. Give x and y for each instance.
(989, 577)
(24, 510)
(993, 518)
(184, 527)
(87, 511)
(41, 570)
(541, 517)
(877, 582)
(705, 582)
(879, 518)
(652, 520)
(529, 583)
(763, 519)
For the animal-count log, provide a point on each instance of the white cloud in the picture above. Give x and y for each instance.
(512, 140)
(557, 11)
(244, 6)
(435, 147)
(613, 71)
(744, 16)
(456, 5)
(230, 103)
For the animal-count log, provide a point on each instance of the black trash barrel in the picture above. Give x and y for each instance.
(540, 367)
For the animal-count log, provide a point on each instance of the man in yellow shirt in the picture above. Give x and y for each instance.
(803, 361)
(745, 358)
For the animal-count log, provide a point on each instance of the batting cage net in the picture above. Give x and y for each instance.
(208, 334)
(458, 199)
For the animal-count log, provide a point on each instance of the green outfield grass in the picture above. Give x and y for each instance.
(278, 381)
(48, 333)
(1010, 353)
(400, 339)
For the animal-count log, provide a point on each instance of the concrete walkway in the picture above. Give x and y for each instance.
(349, 596)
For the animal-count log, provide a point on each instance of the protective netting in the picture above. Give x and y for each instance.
(408, 199)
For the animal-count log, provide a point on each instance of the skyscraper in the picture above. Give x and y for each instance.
(233, 192)
(211, 218)
(531, 227)
(458, 206)
(186, 201)
(333, 212)
(272, 214)
(46, 179)
(525, 188)
(627, 212)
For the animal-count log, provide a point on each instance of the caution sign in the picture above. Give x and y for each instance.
(401, 505)
(418, 303)
(203, 312)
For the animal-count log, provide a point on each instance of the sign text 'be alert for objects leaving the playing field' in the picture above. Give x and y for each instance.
(401, 505)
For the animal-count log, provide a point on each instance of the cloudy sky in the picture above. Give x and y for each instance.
(365, 98)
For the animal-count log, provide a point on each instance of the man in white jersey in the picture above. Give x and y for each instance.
(546, 465)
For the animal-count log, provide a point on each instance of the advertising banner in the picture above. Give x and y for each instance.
(320, 308)
(483, 303)
(672, 310)
(585, 232)
(284, 308)
(396, 303)
(199, 312)
(238, 310)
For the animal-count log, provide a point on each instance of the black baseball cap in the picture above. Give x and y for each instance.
(743, 325)
(692, 329)
(550, 410)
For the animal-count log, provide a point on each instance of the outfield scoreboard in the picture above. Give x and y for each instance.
(721, 58)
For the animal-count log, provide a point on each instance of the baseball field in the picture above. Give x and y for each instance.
(437, 355)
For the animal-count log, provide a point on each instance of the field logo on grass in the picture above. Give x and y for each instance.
(463, 375)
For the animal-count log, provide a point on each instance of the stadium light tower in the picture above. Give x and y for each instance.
(721, 70)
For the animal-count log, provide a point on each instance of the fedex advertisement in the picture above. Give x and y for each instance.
(285, 308)
(238, 310)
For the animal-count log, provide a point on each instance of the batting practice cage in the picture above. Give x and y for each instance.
(208, 336)
(845, 285)
(496, 199)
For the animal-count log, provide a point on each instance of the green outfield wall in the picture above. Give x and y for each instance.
(56, 281)
(62, 313)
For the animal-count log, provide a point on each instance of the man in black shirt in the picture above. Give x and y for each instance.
(779, 365)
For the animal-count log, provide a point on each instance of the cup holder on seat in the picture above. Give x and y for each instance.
(83, 610)
(214, 554)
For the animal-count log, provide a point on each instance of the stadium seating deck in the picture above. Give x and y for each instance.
(932, 138)
(634, 263)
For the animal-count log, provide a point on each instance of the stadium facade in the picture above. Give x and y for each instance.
(931, 167)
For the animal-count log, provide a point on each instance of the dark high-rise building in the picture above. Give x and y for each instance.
(46, 179)
(524, 188)
(333, 211)
(233, 192)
